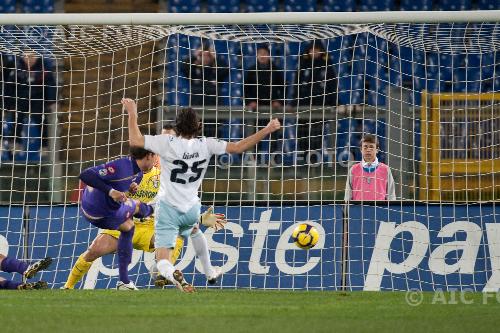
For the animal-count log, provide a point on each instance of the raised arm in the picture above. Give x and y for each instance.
(92, 178)
(249, 142)
(136, 139)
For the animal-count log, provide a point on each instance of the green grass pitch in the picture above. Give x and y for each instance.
(241, 311)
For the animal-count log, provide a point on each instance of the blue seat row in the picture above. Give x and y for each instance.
(366, 68)
(213, 6)
(27, 6)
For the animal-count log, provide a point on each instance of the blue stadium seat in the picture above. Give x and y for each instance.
(351, 89)
(455, 5)
(262, 6)
(38, 6)
(287, 143)
(358, 89)
(236, 87)
(344, 90)
(231, 130)
(184, 6)
(488, 4)
(31, 141)
(333, 47)
(300, 5)
(496, 84)
(345, 65)
(487, 71)
(416, 5)
(223, 6)
(447, 66)
(467, 81)
(369, 126)
(343, 145)
(339, 5)
(377, 86)
(177, 86)
(8, 6)
(376, 5)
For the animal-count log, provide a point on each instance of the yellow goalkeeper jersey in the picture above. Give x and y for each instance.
(148, 188)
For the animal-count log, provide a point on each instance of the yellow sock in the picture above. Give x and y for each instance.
(179, 243)
(79, 270)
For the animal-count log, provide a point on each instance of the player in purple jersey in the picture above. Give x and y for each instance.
(106, 206)
(12, 265)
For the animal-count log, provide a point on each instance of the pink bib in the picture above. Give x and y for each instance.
(369, 186)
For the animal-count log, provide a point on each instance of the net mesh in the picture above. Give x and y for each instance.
(427, 91)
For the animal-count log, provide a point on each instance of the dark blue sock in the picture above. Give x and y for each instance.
(125, 253)
(8, 284)
(11, 265)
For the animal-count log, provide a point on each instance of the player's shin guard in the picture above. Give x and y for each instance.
(8, 284)
(125, 254)
(12, 265)
(80, 268)
(201, 249)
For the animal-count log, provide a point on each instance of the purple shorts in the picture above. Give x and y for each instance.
(117, 217)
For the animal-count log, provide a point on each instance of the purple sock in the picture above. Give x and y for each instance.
(8, 284)
(11, 265)
(125, 253)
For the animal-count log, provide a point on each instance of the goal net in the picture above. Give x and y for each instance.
(427, 91)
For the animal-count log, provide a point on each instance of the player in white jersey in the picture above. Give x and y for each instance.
(184, 160)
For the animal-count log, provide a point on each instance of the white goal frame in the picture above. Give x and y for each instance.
(472, 16)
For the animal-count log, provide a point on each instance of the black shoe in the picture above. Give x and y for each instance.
(161, 281)
(37, 267)
(33, 285)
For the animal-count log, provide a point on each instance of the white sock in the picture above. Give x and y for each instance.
(201, 249)
(166, 269)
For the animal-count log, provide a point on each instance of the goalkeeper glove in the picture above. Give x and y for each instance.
(211, 220)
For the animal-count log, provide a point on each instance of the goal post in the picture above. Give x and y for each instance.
(424, 83)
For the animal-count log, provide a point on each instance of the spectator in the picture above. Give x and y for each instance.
(370, 180)
(316, 85)
(205, 72)
(316, 78)
(264, 82)
(264, 89)
(29, 94)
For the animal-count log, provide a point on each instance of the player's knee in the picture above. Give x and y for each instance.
(92, 253)
(126, 226)
(96, 250)
(195, 230)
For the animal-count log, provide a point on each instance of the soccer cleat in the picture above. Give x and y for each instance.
(33, 285)
(161, 281)
(181, 284)
(126, 286)
(36, 267)
(217, 273)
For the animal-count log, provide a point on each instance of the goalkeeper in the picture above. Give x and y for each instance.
(107, 241)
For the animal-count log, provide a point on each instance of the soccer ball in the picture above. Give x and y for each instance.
(305, 236)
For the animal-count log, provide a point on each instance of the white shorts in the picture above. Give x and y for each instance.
(169, 223)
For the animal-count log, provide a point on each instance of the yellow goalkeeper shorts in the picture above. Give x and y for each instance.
(142, 236)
